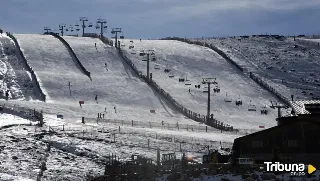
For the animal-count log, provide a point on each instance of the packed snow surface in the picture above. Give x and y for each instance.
(119, 92)
(192, 63)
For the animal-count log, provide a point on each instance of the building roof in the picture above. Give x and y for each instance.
(299, 108)
(289, 121)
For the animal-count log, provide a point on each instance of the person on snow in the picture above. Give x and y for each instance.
(106, 65)
(7, 94)
(95, 44)
(96, 98)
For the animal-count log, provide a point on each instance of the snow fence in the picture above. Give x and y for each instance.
(23, 112)
(29, 68)
(188, 113)
(72, 52)
(253, 76)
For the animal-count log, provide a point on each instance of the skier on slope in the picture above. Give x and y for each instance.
(95, 44)
(96, 98)
(106, 65)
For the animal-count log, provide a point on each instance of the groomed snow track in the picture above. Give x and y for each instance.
(72, 54)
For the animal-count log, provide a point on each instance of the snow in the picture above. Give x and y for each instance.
(80, 149)
(115, 87)
(294, 62)
(13, 75)
(9, 119)
(194, 63)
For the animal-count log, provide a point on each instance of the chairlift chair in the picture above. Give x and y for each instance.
(252, 107)
(121, 37)
(90, 24)
(153, 59)
(171, 76)
(105, 27)
(238, 101)
(216, 89)
(157, 67)
(166, 70)
(264, 110)
(227, 99)
(97, 26)
(142, 53)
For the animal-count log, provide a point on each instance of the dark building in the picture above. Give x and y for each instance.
(296, 138)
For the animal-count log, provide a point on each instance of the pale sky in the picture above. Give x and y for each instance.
(162, 18)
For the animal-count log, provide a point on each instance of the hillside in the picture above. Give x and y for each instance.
(193, 63)
(117, 90)
(292, 67)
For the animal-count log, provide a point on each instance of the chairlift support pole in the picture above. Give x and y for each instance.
(83, 19)
(208, 81)
(116, 31)
(47, 29)
(61, 26)
(148, 62)
(101, 21)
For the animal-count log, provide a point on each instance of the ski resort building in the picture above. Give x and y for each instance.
(295, 137)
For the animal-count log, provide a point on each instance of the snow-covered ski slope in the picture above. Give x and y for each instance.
(114, 85)
(291, 67)
(13, 73)
(194, 63)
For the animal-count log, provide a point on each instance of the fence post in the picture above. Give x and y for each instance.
(119, 129)
(206, 128)
(180, 147)
(148, 143)
(156, 136)
(114, 137)
(132, 123)
(63, 127)
(82, 133)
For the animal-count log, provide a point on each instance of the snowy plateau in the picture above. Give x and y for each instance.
(136, 118)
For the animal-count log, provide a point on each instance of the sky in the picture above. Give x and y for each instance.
(152, 19)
